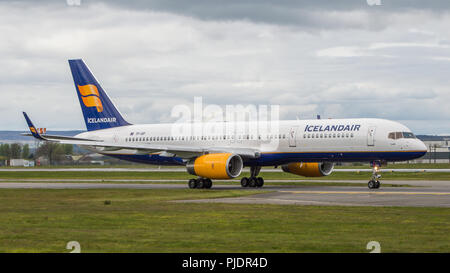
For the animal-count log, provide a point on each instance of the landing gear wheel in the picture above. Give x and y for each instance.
(244, 182)
(377, 184)
(259, 182)
(252, 182)
(208, 183)
(200, 183)
(374, 182)
(192, 183)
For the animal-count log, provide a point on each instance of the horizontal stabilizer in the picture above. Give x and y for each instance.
(56, 137)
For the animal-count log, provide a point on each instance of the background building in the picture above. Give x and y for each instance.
(438, 149)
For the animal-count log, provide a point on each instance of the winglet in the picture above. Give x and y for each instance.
(33, 130)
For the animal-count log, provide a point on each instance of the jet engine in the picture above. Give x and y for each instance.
(313, 169)
(216, 166)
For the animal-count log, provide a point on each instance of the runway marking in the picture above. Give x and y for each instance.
(363, 192)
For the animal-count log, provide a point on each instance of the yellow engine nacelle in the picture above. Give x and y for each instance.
(216, 166)
(313, 169)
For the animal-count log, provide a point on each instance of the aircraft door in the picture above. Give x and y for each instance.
(292, 137)
(371, 136)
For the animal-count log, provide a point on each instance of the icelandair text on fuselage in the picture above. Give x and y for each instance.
(331, 128)
(101, 120)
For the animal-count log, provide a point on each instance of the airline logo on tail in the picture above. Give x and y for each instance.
(90, 96)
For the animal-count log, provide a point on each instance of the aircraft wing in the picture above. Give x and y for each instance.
(140, 148)
(56, 137)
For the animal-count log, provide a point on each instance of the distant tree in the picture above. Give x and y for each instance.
(5, 151)
(26, 151)
(16, 150)
(52, 151)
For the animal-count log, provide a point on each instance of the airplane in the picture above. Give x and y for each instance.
(307, 148)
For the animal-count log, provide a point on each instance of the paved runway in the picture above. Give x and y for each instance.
(420, 183)
(423, 194)
(346, 196)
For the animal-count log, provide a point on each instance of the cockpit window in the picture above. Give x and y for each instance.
(408, 135)
(398, 135)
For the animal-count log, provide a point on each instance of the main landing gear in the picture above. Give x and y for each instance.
(200, 183)
(374, 183)
(253, 181)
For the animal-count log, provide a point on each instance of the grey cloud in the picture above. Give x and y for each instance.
(150, 58)
(297, 13)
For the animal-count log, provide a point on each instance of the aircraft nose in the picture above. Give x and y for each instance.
(421, 146)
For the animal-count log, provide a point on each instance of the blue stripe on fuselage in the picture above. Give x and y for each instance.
(270, 159)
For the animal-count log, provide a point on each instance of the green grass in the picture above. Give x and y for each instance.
(182, 175)
(37, 220)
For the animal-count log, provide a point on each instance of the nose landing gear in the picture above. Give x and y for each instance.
(374, 182)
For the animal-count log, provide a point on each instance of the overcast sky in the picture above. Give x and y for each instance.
(339, 59)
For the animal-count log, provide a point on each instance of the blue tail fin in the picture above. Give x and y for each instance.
(98, 110)
(33, 130)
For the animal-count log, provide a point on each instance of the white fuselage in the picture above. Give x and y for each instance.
(326, 139)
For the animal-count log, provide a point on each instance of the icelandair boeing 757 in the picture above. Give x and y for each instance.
(308, 148)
